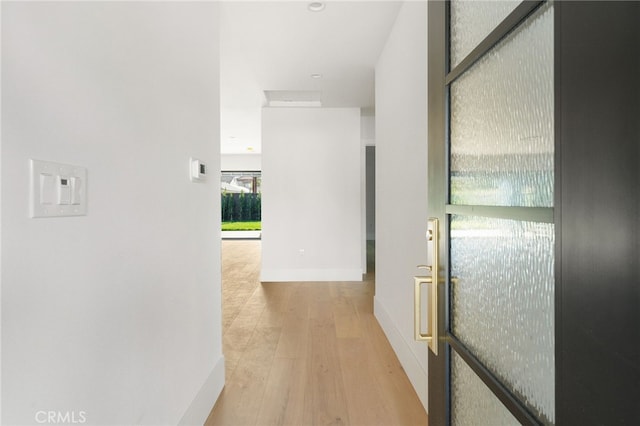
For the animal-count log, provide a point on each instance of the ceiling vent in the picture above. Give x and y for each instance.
(293, 98)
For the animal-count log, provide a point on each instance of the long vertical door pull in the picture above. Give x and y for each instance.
(432, 337)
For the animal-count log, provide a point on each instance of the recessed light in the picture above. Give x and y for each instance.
(316, 75)
(316, 6)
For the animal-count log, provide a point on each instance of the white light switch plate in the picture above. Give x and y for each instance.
(57, 189)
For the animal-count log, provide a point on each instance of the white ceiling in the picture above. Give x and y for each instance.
(277, 46)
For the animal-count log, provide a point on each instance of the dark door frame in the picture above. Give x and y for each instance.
(597, 212)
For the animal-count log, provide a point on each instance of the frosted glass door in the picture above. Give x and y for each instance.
(500, 216)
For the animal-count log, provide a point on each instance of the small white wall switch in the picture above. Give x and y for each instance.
(64, 190)
(198, 170)
(57, 189)
(47, 188)
(76, 190)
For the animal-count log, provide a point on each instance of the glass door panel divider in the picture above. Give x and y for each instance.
(528, 214)
(513, 404)
(518, 15)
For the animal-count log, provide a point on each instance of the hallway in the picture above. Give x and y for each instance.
(305, 353)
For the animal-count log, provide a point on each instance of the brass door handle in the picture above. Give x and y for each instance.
(432, 336)
(417, 298)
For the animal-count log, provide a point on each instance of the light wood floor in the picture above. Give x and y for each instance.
(305, 353)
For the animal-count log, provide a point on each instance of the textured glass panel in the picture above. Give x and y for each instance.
(472, 21)
(472, 402)
(503, 301)
(502, 121)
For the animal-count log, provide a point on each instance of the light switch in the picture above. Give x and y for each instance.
(76, 190)
(57, 189)
(47, 188)
(64, 190)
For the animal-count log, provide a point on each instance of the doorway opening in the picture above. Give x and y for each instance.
(241, 204)
(370, 205)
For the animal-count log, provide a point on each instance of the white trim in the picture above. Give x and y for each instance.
(241, 235)
(407, 357)
(206, 398)
(278, 275)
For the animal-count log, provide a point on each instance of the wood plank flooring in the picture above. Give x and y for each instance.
(305, 353)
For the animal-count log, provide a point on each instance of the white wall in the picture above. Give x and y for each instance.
(311, 194)
(241, 162)
(368, 129)
(401, 185)
(1, 240)
(113, 317)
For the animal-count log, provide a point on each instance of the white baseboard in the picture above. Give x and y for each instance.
(407, 357)
(279, 275)
(206, 398)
